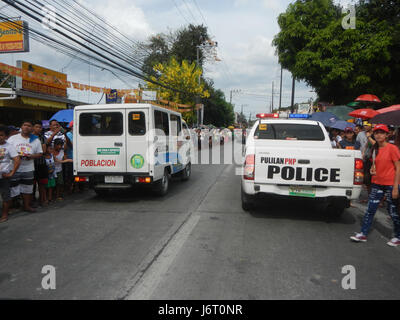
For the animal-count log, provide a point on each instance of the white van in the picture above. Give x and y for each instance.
(119, 145)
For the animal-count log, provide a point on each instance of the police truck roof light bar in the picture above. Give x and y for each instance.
(267, 115)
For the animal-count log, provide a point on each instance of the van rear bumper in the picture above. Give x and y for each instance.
(113, 186)
(97, 181)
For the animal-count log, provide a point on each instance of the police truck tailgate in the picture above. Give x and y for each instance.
(304, 167)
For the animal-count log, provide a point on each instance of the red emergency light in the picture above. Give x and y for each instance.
(267, 115)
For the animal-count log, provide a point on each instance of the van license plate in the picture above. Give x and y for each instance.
(302, 192)
(114, 179)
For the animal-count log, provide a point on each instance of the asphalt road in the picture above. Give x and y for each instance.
(195, 243)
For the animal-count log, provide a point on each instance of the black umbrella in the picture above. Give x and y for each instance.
(389, 118)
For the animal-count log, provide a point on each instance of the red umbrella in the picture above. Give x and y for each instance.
(389, 109)
(364, 114)
(368, 98)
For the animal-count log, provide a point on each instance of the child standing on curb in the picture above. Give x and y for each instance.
(59, 159)
(52, 173)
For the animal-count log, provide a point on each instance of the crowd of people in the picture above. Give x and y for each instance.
(34, 161)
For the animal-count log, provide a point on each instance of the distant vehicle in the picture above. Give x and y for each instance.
(118, 146)
(294, 158)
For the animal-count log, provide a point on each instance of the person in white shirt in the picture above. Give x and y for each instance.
(29, 148)
(9, 163)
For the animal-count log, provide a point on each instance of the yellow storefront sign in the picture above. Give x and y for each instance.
(56, 87)
(13, 37)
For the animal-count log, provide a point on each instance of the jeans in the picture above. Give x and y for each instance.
(375, 197)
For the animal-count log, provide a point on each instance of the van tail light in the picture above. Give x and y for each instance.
(358, 172)
(249, 167)
(81, 179)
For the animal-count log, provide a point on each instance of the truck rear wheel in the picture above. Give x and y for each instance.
(161, 187)
(247, 201)
(335, 208)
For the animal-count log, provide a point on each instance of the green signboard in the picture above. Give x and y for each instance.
(108, 151)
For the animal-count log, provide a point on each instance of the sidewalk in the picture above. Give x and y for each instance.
(382, 221)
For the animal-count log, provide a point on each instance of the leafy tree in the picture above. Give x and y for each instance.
(183, 77)
(216, 110)
(342, 64)
(181, 44)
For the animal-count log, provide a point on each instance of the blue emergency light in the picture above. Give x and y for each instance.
(298, 116)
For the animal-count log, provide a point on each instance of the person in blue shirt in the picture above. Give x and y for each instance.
(349, 141)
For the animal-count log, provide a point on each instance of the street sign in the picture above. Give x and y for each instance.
(52, 88)
(149, 95)
(14, 36)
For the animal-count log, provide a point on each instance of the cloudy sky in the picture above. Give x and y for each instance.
(244, 30)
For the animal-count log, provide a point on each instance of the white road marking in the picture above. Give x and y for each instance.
(153, 276)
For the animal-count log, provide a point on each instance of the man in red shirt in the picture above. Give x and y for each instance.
(385, 173)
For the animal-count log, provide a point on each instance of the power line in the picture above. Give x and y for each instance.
(180, 12)
(201, 14)
(65, 47)
(190, 11)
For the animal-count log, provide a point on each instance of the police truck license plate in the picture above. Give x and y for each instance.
(114, 179)
(302, 192)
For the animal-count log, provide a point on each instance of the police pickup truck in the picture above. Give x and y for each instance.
(294, 158)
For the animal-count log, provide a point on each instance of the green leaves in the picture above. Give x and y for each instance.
(341, 64)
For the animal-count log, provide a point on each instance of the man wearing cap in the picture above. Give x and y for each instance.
(349, 142)
(385, 174)
(363, 136)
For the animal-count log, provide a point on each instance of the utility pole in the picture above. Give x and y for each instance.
(280, 91)
(208, 44)
(272, 105)
(293, 89)
(198, 98)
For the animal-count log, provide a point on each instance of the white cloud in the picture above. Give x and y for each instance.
(123, 14)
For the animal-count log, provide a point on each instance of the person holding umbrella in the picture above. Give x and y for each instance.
(385, 174)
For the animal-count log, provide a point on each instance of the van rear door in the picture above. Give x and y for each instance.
(100, 141)
(137, 140)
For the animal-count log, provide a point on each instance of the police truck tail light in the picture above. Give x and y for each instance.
(267, 115)
(81, 179)
(249, 167)
(358, 172)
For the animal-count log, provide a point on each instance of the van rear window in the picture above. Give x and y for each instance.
(137, 123)
(287, 131)
(101, 124)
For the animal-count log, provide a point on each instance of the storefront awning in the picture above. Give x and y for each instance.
(39, 103)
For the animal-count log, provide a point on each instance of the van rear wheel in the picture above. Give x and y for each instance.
(186, 173)
(101, 192)
(161, 187)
